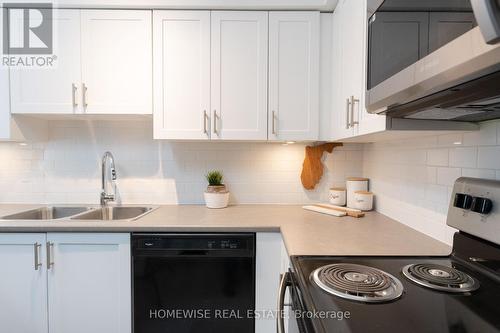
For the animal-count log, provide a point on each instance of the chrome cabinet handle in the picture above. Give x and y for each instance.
(84, 95)
(353, 102)
(284, 283)
(74, 88)
(347, 109)
(273, 123)
(215, 122)
(37, 248)
(50, 262)
(205, 118)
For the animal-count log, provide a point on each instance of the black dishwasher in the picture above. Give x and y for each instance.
(190, 283)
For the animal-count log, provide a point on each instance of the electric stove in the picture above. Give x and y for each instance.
(456, 293)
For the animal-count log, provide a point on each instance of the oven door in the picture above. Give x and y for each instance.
(296, 312)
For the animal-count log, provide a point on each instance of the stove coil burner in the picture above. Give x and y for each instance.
(440, 277)
(358, 283)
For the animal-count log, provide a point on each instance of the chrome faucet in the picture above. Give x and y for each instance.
(105, 195)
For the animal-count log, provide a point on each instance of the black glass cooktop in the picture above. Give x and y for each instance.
(419, 309)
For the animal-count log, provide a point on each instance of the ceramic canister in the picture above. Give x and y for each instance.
(337, 196)
(354, 184)
(363, 200)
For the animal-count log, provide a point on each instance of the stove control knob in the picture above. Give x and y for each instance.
(482, 205)
(463, 201)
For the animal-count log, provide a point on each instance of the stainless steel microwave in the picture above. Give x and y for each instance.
(434, 59)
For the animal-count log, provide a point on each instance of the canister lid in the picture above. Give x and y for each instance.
(337, 188)
(363, 192)
(357, 179)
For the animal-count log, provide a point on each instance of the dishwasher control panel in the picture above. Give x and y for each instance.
(201, 244)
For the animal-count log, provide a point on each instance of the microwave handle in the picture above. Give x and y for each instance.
(284, 283)
(487, 13)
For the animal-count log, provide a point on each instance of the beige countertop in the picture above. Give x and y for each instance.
(304, 232)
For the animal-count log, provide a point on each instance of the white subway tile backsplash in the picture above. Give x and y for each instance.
(498, 133)
(489, 157)
(66, 168)
(479, 173)
(447, 176)
(471, 154)
(431, 175)
(354, 155)
(450, 140)
(463, 157)
(436, 194)
(438, 157)
(486, 136)
(417, 173)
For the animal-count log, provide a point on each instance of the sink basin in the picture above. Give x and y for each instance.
(114, 213)
(46, 213)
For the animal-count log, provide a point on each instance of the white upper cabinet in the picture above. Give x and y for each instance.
(349, 69)
(23, 287)
(89, 285)
(103, 66)
(5, 131)
(294, 75)
(116, 61)
(341, 127)
(239, 75)
(51, 90)
(181, 55)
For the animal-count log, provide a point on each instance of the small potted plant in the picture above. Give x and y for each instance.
(216, 195)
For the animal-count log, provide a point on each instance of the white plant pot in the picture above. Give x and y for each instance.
(216, 200)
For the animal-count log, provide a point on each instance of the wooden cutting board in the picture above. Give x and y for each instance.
(312, 168)
(322, 210)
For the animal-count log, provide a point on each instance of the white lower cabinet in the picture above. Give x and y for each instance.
(272, 261)
(89, 283)
(65, 282)
(23, 284)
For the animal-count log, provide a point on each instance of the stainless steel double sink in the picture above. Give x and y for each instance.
(82, 213)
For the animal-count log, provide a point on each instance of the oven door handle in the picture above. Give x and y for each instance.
(284, 283)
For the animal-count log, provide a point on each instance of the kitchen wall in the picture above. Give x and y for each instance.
(66, 168)
(413, 179)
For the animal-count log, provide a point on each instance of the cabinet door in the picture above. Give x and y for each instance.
(4, 93)
(23, 287)
(353, 117)
(340, 94)
(293, 75)
(239, 75)
(89, 288)
(181, 52)
(117, 61)
(445, 27)
(397, 40)
(268, 269)
(367, 122)
(51, 90)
